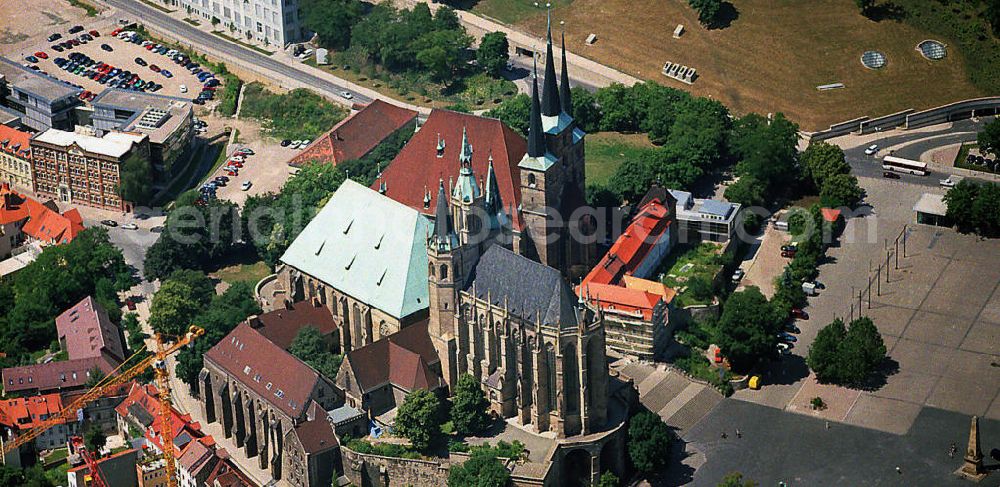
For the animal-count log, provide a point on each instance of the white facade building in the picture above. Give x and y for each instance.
(268, 22)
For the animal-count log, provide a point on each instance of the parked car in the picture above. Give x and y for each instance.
(738, 275)
(57, 48)
(154, 68)
(799, 314)
(75, 29)
(107, 47)
(286, 142)
(871, 150)
(247, 151)
(791, 328)
(222, 178)
(41, 55)
(784, 348)
(53, 37)
(94, 33)
(246, 185)
(787, 337)
(789, 248)
(130, 226)
(949, 182)
(788, 254)
(109, 223)
(31, 59)
(130, 304)
(890, 175)
(166, 73)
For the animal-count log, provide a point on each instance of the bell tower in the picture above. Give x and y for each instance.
(444, 274)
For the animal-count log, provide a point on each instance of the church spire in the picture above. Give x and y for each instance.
(493, 202)
(443, 229)
(465, 157)
(536, 140)
(564, 94)
(550, 92)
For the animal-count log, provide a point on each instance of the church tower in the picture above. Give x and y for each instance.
(444, 274)
(552, 171)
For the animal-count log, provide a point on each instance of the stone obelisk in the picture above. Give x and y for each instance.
(973, 469)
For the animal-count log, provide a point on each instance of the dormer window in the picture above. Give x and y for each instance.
(440, 146)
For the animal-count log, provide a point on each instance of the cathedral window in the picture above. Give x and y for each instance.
(531, 180)
(444, 271)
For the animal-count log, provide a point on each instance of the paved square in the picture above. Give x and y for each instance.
(983, 337)
(937, 329)
(889, 415)
(963, 394)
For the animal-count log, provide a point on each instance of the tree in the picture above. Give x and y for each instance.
(649, 441)
(661, 107)
(865, 6)
(515, 112)
(95, 439)
(95, 377)
(586, 112)
(608, 479)
(419, 418)
(823, 357)
(446, 19)
(195, 237)
(310, 347)
(748, 328)
(632, 179)
(708, 10)
(493, 53)
(821, 161)
(992, 15)
(482, 469)
(988, 139)
(747, 191)
(619, 112)
(735, 479)
(173, 308)
(975, 207)
(331, 20)
(23, 477)
(136, 180)
(469, 407)
(840, 190)
(215, 21)
(443, 52)
(767, 150)
(699, 131)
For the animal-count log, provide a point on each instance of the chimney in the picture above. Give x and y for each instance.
(255, 322)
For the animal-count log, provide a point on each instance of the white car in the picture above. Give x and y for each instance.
(950, 182)
(246, 185)
(871, 150)
(296, 144)
(305, 143)
(346, 94)
(130, 226)
(738, 275)
(184, 89)
(784, 348)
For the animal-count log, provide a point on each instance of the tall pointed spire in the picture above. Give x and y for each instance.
(442, 217)
(536, 140)
(493, 202)
(550, 92)
(564, 94)
(465, 157)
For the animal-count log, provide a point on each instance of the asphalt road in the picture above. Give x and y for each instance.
(920, 142)
(234, 53)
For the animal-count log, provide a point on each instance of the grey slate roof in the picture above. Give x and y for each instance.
(531, 290)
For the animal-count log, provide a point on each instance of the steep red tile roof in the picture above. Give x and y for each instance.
(44, 224)
(54, 376)
(417, 170)
(316, 435)
(267, 369)
(144, 397)
(281, 325)
(830, 214)
(356, 135)
(632, 247)
(225, 474)
(197, 456)
(15, 142)
(23, 412)
(403, 359)
(86, 330)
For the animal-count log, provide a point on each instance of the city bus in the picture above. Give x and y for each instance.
(898, 164)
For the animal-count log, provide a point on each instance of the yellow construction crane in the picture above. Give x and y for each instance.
(158, 361)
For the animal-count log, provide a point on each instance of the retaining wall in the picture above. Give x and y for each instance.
(910, 119)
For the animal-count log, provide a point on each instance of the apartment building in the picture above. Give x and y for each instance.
(42, 101)
(15, 158)
(269, 22)
(166, 120)
(74, 167)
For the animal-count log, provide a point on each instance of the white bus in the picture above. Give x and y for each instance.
(898, 164)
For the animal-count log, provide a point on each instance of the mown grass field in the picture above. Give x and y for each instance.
(607, 150)
(769, 59)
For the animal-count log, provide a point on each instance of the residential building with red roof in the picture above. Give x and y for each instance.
(117, 470)
(18, 414)
(259, 393)
(140, 411)
(375, 378)
(15, 158)
(90, 340)
(636, 309)
(23, 219)
(357, 135)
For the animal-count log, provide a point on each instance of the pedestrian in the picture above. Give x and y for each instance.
(723, 435)
(738, 434)
(827, 425)
(899, 470)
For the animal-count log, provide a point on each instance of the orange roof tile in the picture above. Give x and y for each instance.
(44, 224)
(24, 412)
(632, 247)
(16, 142)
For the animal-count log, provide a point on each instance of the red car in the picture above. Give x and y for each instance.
(232, 173)
(75, 42)
(149, 47)
(95, 33)
(790, 254)
(41, 55)
(115, 32)
(154, 68)
(84, 95)
(799, 314)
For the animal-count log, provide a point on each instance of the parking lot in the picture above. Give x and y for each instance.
(123, 56)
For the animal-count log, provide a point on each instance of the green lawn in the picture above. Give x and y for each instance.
(510, 11)
(242, 272)
(960, 159)
(297, 114)
(244, 44)
(91, 10)
(607, 150)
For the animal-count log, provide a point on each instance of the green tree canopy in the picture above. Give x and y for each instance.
(767, 150)
(632, 179)
(482, 469)
(493, 53)
(23, 477)
(649, 440)
(748, 328)
(331, 20)
(469, 407)
(586, 112)
(747, 191)
(708, 10)
(136, 180)
(443, 52)
(846, 356)
(419, 418)
(608, 479)
(975, 207)
(821, 161)
(310, 347)
(515, 112)
(841, 190)
(173, 308)
(95, 439)
(824, 353)
(194, 237)
(735, 479)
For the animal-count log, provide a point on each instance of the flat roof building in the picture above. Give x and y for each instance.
(166, 120)
(931, 209)
(704, 219)
(44, 102)
(271, 23)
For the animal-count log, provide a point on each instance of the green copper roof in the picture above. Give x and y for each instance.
(369, 247)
